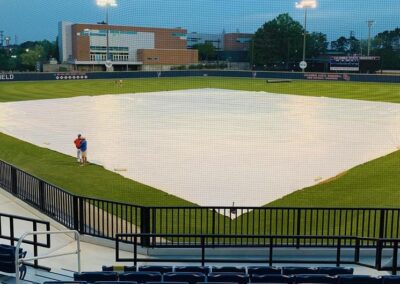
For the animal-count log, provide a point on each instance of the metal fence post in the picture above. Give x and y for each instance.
(75, 212)
(395, 255)
(213, 226)
(145, 226)
(14, 188)
(298, 227)
(42, 200)
(82, 220)
(382, 221)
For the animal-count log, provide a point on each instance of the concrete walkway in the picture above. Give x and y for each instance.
(92, 256)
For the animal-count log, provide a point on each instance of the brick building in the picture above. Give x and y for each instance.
(128, 48)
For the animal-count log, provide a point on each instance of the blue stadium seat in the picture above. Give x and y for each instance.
(272, 278)
(334, 270)
(141, 276)
(188, 277)
(239, 278)
(96, 276)
(166, 282)
(216, 283)
(117, 268)
(358, 279)
(201, 269)
(156, 268)
(391, 279)
(315, 278)
(261, 270)
(7, 260)
(216, 269)
(291, 270)
(116, 282)
(65, 282)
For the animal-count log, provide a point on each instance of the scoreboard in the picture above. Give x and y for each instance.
(345, 63)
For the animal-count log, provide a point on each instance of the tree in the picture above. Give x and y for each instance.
(340, 45)
(345, 45)
(387, 45)
(279, 42)
(206, 51)
(317, 44)
(32, 56)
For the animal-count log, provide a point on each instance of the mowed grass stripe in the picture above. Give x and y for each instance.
(17, 91)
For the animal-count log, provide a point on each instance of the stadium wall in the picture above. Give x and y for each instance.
(7, 77)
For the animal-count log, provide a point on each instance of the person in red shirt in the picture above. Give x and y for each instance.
(77, 143)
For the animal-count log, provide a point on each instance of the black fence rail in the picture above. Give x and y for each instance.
(105, 219)
(270, 244)
(8, 231)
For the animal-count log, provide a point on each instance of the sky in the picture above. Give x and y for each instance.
(37, 19)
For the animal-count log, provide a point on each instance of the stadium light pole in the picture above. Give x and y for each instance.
(305, 4)
(370, 24)
(107, 4)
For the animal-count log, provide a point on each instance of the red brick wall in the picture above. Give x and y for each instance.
(168, 56)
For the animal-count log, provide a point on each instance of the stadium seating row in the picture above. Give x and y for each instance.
(140, 277)
(250, 270)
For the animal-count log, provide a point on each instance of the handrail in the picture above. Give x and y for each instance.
(21, 260)
(34, 222)
(270, 246)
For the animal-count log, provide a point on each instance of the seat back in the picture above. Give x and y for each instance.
(116, 282)
(358, 279)
(201, 269)
(271, 278)
(141, 276)
(292, 270)
(96, 276)
(156, 268)
(239, 278)
(335, 270)
(315, 278)
(261, 270)
(188, 277)
(390, 279)
(216, 269)
(7, 260)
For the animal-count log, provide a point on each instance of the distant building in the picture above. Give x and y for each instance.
(129, 48)
(217, 40)
(230, 47)
(237, 41)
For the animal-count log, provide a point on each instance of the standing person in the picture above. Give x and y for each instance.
(83, 151)
(77, 143)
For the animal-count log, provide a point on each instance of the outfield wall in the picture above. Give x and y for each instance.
(6, 77)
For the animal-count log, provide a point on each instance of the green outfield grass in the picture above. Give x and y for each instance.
(369, 185)
(18, 91)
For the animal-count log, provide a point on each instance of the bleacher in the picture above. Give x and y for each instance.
(228, 274)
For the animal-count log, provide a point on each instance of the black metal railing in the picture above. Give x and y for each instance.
(270, 244)
(104, 218)
(9, 225)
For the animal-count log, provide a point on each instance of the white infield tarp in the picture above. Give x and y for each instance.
(211, 146)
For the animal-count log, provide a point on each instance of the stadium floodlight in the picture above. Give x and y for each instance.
(305, 4)
(106, 4)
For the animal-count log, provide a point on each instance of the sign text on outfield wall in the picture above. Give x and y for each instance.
(8, 77)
